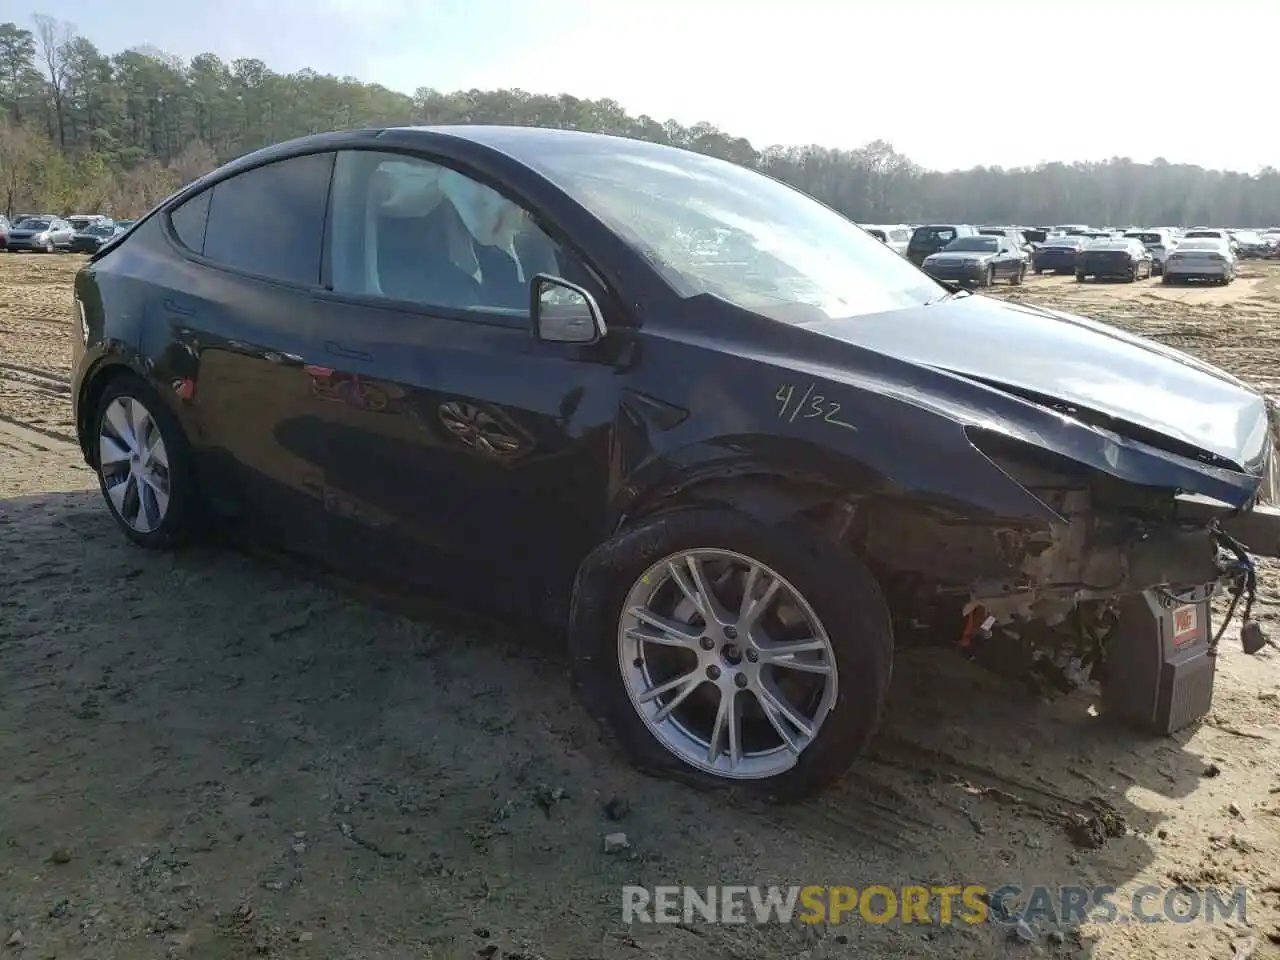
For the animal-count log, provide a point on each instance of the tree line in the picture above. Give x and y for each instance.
(88, 131)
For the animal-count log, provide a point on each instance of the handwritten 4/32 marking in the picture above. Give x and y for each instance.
(811, 406)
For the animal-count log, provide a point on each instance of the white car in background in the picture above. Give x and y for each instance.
(1211, 233)
(1200, 258)
(895, 236)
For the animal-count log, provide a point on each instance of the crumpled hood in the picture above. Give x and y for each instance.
(1082, 362)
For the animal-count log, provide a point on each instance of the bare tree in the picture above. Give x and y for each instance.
(53, 40)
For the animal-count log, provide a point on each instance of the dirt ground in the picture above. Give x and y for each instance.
(211, 755)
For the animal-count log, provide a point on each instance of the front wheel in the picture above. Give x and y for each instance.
(144, 465)
(724, 652)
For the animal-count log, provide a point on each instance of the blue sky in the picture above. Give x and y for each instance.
(949, 82)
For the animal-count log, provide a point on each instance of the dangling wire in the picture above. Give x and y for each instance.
(1245, 575)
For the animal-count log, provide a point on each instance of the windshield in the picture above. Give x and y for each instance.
(1215, 234)
(1151, 238)
(981, 244)
(1071, 242)
(99, 230)
(1210, 244)
(713, 227)
(31, 223)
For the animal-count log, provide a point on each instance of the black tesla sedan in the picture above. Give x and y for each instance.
(704, 423)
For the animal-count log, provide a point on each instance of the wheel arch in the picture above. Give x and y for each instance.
(100, 375)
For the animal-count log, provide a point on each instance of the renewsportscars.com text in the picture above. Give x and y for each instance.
(969, 904)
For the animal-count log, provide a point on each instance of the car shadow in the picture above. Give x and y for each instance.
(204, 707)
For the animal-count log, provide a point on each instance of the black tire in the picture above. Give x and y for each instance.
(1039, 271)
(180, 520)
(836, 584)
(1166, 280)
(1079, 277)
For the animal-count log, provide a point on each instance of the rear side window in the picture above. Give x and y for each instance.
(269, 221)
(189, 221)
(933, 236)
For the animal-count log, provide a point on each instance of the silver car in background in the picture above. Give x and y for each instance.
(1201, 258)
(1159, 243)
(46, 234)
(895, 236)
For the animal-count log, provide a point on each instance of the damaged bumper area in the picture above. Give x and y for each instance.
(1095, 557)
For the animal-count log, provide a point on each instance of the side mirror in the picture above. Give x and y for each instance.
(563, 312)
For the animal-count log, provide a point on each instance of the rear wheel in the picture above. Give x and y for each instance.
(724, 652)
(144, 465)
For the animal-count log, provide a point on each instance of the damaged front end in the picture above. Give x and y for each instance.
(1117, 588)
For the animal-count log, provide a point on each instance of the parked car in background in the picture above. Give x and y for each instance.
(4, 232)
(1057, 254)
(1201, 258)
(1159, 242)
(79, 221)
(1118, 258)
(1272, 239)
(1071, 229)
(45, 234)
(1036, 235)
(125, 224)
(1013, 234)
(93, 237)
(977, 261)
(1250, 245)
(929, 239)
(1211, 233)
(896, 236)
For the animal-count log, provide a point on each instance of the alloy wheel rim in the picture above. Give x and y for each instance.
(134, 464)
(726, 663)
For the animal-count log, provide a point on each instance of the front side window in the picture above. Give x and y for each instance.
(713, 227)
(269, 221)
(407, 229)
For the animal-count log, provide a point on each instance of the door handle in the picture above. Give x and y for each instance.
(338, 350)
(175, 307)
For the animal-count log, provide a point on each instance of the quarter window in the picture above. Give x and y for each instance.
(269, 221)
(189, 221)
(410, 230)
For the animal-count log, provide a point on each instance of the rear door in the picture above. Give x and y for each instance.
(239, 303)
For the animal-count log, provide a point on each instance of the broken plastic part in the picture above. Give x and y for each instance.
(1252, 637)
